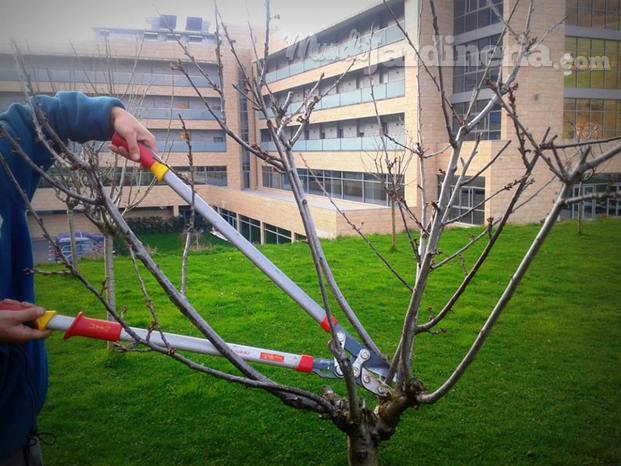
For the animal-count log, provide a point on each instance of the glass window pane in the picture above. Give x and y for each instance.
(352, 190)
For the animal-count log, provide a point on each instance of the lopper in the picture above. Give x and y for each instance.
(369, 368)
(82, 326)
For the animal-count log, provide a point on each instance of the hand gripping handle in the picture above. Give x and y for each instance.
(146, 156)
(40, 323)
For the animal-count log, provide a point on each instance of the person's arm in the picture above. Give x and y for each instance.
(73, 116)
(77, 117)
(80, 118)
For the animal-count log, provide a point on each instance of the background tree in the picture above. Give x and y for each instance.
(366, 423)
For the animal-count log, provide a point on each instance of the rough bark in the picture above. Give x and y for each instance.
(74, 250)
(393, 244)
(362, 449)
(109, 281)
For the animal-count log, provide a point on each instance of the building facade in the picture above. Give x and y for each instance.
(573, 87)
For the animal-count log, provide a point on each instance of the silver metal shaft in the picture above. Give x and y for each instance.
(259, 260)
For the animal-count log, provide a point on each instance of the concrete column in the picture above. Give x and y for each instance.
(262, 233)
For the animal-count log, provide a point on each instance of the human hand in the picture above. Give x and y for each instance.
(14, 319)
(133, 132)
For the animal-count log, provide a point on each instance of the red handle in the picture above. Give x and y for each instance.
(94, 328)
(146, 156)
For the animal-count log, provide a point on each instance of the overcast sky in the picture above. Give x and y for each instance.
(61, 21)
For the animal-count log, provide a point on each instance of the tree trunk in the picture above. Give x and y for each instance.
(74, 250)
(580, 207)
(110, 281)
(362, 450)
(393, 247)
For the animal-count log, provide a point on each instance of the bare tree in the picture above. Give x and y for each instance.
(356, 360)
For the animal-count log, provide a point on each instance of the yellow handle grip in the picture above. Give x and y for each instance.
(42, 322)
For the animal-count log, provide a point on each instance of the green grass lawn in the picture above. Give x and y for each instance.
(544, 390)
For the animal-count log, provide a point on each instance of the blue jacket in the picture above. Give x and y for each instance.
(23, 368)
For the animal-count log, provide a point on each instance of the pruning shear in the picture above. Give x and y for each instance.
(369, 368)
(114, 332)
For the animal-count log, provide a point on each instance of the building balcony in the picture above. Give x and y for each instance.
(357, 96)
(103, 77)
(197, 146)
(343, 51)
(368, 143)
(173, 113)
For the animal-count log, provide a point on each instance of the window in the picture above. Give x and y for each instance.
(130, 176)
(168, 21)
(151, 35)
(194, 23)
(370, 188)
(592, 63)
(230, 217)
(250, 229)
(215, 176)
(599, 183)
(469, 204)
(488, 128)
(591, 118)
(384, 127)
(275, 235)
(474, 14)
(218, 139)
(599, 14)
(471, 60)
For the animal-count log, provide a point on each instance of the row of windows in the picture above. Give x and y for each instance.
(488, 128)
(360, 128)
(471, 61)
(251, 229)
(134, 176)
(276, 235)
(174, 37)
(603, 14)
(591, 118)
(469, 202)
(375, 29)
(592, 63)
(215, 176)
(351, 186)
(130, 176)
(474, 14)
(371, 21)
(597, 208)
(229, 216)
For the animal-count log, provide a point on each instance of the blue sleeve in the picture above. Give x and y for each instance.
(79, 118)
(72, 115)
